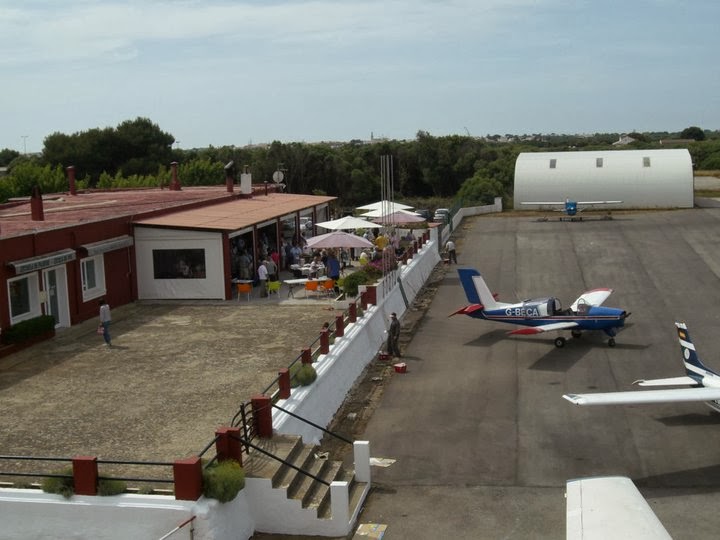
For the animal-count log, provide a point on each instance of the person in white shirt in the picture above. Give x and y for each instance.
(105, 321)
(452, 254)
(262, 276)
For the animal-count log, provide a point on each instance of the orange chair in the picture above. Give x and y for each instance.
(244, 288)
(311, 286)
(329, 287)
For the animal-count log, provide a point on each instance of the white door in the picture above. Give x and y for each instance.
(56, 295)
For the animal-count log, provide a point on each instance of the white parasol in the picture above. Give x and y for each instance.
(385, 206)
(348, 222)
(338, 239)
(399, 217)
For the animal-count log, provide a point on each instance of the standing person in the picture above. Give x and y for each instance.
(450, 248)
(393, 348)
(105, 321)
(262, 277)
(333, 269)
(272, 269)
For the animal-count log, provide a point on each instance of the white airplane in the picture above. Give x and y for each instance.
(704, 383)
(571, 207)
(609, 507)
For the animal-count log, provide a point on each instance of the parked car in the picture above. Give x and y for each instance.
(442, 214)
(424, 212)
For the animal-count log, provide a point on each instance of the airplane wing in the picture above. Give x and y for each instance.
(544, 328)
(671, 381)
(594, 297)
(556, 203)
(635, 397)
(609, 507)
(599, 202)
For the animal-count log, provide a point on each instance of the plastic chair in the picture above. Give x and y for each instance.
(310, 286)
(244, 288)
(329, 287)
(273, 287)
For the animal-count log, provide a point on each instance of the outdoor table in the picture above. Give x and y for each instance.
(293, 283)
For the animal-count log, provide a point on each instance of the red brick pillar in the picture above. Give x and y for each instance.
(372, 295)
(339, 326)
(306, 356)
(262, 413)
(324, 341)
(85, 475)
(175, 182)
(352, 312)
(284, 383)
(415, 245)
(363, 300)
(227, 444)
(187, 474)
(71, 179)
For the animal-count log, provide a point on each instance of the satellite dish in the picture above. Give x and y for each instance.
(278, 177)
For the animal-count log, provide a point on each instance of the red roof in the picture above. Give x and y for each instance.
(228, 212)
(237, 214)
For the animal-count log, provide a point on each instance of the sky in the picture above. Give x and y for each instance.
(238, 72)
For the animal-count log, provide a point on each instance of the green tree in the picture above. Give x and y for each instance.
(480, 190)
(693, 132)
(7, 155)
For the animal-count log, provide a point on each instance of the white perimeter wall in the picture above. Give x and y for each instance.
(667, 183)
(149, 238)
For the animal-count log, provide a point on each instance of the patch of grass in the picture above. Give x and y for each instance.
(109, 486)
(302, 375)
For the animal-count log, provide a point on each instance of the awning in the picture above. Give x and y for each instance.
(55, 258)
(96, 248)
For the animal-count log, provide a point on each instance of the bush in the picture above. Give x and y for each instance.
(302, 375)
(30, 328)
(61, 486)
(353, 281)
(223, 481)
(109, 486)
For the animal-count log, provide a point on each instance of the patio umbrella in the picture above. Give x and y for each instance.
(338, 239)
(400, 217)
(386, 206)
(348, 222)
(380, 213)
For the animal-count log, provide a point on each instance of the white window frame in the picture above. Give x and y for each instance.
(99, 271)
(34, 293)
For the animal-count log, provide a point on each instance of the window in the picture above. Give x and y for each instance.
(179, 263)
(93, 277)
(599, 162)
(646, 162)
(553, 162)
(24, 298)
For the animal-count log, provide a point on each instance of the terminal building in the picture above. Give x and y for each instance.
(638, 178)
(61, 253)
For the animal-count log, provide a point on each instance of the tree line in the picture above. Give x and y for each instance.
(137, 153)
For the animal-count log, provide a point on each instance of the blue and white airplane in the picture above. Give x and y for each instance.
(571, 208)
(704, 384)
(542, 314)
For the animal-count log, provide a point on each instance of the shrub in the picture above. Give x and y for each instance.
(60, 485)
(223, 481)
(110, 486)
(30, 328)
(353, 281)
(302, 375)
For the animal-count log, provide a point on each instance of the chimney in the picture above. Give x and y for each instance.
(174, 183)
(36, 204)
(71, 179)
(230, 176)
(246, 181)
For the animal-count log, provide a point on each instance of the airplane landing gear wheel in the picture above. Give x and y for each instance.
(611, 342)
(576, 333)
(560, 342)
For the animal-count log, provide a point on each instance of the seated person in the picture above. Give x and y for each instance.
(315, 267)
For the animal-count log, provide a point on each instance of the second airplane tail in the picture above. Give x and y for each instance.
(476, 289)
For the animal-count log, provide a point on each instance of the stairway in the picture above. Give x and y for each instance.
(286, 501)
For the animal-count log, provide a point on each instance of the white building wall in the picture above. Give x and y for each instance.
(666, 183)
(149, 238)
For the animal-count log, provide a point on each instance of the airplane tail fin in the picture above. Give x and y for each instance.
(688, 351)
(476, 289)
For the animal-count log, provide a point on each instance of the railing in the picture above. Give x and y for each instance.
(176, 529)
(68, 460)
